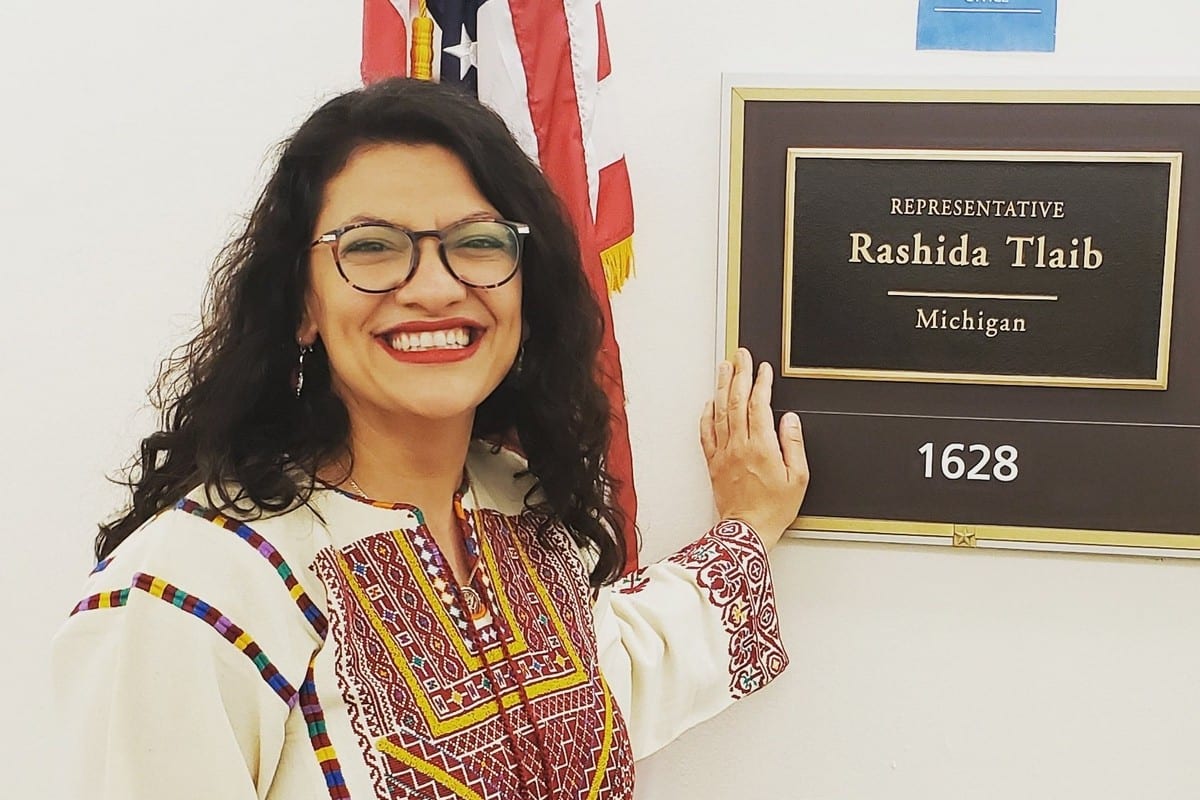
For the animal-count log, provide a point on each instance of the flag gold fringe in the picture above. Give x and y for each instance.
(422, 46)
(618, 264)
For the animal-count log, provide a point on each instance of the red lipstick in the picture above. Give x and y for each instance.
(432, 355)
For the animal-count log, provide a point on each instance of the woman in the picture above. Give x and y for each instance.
(337, 577)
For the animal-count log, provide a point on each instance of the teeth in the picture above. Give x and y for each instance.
(451, 339)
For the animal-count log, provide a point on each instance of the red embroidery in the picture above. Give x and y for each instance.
(419, 697)
(729, 561)
(634, 582)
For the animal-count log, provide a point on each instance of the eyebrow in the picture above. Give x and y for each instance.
(481, 214)
(365, 218)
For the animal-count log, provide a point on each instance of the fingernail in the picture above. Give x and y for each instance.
(791, 419)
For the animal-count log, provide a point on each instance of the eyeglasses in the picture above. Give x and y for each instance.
(378, 257)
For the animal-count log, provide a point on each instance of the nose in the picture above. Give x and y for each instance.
(431, 286)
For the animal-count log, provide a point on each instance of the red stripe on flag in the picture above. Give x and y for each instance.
(614, 205)
(385, 41)
(544, 42)
(605, 63)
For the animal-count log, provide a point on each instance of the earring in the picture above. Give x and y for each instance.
(519, 363)
(513, 378)
(298, 375)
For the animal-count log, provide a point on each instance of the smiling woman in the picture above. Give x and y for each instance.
(423, 188)
(370, 553)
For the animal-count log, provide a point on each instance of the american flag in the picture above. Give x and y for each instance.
(544, 66)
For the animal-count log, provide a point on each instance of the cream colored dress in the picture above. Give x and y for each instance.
(327, 653)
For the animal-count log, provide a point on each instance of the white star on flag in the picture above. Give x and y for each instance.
(464, 51)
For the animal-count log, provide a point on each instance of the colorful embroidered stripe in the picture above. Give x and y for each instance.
(314, 717)
(193, 605)
(102, 600)
(358, 498)
(248, 535)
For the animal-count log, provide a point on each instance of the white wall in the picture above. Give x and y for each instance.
(133, 135)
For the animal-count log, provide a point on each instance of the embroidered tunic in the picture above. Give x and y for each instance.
(327, 653)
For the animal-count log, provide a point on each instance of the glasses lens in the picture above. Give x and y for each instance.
(482, 252)
(375, 257)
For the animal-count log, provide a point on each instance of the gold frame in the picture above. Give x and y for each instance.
(964, 533)
(1158, 382)
(971, 535)
(740, 95)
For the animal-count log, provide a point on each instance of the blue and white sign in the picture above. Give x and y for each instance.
(987, 25)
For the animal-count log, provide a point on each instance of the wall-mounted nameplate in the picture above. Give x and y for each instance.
(1060, 263)
(980, 304)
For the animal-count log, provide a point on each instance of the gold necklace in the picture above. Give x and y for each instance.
(474, 603)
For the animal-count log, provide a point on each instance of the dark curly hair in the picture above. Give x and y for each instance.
(229, 415)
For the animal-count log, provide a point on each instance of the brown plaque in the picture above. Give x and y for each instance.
(979, 304)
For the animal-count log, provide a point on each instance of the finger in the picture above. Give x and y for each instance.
(791, 442)
(721, 404)
(762, 423)
(739, 395)
(708, 436)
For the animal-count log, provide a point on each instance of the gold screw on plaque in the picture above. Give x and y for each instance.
(964, 536)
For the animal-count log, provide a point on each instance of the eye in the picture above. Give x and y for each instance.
(481, 243)
(370, 246)
(481, 239)
(374, 243)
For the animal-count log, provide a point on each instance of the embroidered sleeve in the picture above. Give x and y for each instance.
(683, 638)
(176, 672)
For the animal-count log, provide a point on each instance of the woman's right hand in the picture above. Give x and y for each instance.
(758, 475)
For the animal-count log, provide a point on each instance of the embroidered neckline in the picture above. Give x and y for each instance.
(462, 492)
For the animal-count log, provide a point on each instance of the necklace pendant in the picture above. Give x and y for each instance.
(473, 602)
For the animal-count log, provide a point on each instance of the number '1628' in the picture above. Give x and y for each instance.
(975, 462)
